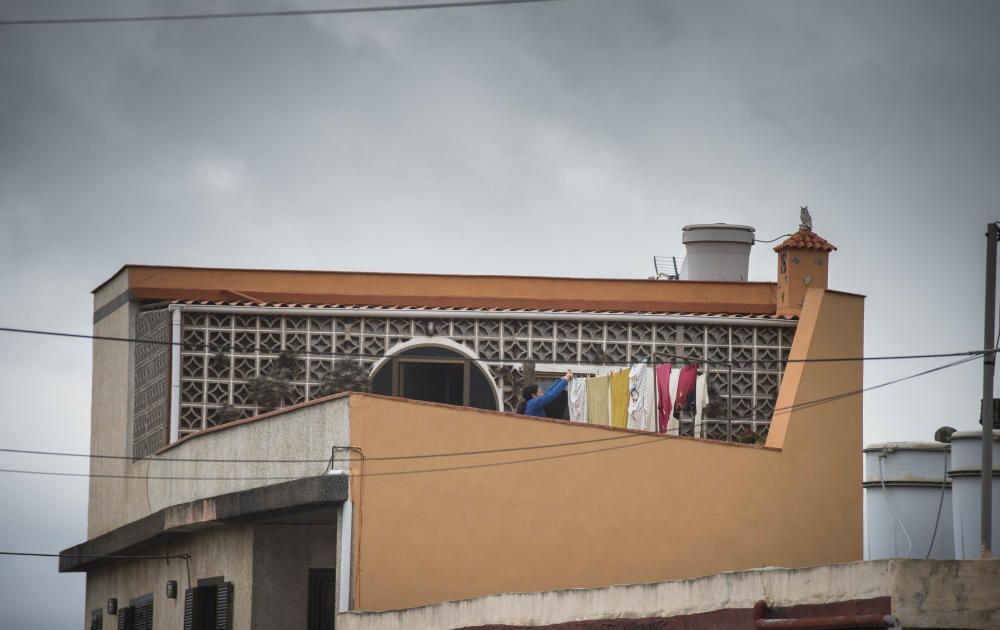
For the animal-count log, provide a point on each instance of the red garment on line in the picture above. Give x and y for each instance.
(663, 387)
(685, 385)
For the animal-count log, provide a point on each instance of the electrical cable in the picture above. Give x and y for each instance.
(892, 509)
(93, 557)
(937, 519)
(325, 460)
(804, 405)
(653, 439)
(856, 392)
(757, 240)
(268, 14)
(224, 348)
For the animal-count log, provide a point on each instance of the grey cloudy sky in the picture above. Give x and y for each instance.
(568, 139)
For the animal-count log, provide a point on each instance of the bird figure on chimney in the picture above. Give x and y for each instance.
(805, 219)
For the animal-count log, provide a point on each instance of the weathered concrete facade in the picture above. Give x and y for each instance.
(920, 593)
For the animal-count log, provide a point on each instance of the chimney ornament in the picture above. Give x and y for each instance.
(806, 220)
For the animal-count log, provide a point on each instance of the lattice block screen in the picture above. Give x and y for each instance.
(150, 411)
(208, 384)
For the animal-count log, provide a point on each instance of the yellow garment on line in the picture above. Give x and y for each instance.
(619, 399)
(597, 400)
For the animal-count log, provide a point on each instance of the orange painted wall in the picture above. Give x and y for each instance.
(390, 289)
(647, 508)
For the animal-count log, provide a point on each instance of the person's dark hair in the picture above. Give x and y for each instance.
(527, 393)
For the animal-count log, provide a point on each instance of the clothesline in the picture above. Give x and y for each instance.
(642, 397)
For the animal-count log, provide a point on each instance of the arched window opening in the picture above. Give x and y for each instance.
(435, 374)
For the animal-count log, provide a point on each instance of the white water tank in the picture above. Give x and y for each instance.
(966, 475)
(717, 251)
(900, 520)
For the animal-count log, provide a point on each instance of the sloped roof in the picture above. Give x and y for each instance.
(806, 239)
(460, 311)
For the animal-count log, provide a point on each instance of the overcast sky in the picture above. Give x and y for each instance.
(570, 139)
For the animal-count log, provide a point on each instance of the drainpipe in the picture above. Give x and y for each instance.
(841, 622)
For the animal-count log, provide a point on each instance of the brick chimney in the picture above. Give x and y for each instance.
(803, 260)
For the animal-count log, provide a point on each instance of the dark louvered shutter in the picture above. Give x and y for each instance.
(125, 618)
(143, 618)
(97, 619)
(189, 609)
(224, 606)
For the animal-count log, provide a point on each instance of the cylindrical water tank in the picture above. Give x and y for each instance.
(966, 482)
(717, 251)
(901, 520)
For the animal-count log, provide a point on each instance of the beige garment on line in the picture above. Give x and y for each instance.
(597, 399)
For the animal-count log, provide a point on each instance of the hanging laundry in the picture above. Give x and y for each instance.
(597, 399)
(663, 405)
(700, 400)
(673, 424)
(619, 399)
(685, 386)
(578, 400)
(638, 398)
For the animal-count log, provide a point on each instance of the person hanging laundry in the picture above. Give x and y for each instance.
(619, 399)
(663, 405)
(597, 399)
(638, 386)
(578, 400)
(533, 399)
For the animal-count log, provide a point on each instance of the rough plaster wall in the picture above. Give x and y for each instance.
(283, 555)
(781, 587)
(946, 593)
(113, 502)
(307, 432)
(225, 551)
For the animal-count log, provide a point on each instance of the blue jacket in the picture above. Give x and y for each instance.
(536, 406)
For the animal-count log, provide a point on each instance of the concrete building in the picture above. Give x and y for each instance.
(324, 505)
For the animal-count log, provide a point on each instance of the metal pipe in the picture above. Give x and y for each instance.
(989, 362)
(486, 314)
(843, 622)
(729, 406)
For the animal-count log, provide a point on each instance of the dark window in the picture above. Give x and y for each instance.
(435, 374)
(322, 598)
(97, 619)
(209, 606)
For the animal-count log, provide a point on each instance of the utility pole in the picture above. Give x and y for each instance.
(989, 364)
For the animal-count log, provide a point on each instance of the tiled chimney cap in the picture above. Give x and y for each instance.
(806, 239)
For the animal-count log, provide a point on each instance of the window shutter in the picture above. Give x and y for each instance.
(189, 609)
(143, 618)
(97, 619)
(125, 618)
(224, 606)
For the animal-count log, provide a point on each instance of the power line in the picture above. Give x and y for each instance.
(83, 556)
(325, 460)
(856, 392)
(267, 14)
(653, 436)
(224, 348)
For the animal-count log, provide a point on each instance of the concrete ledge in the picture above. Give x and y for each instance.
(176, 520)
(921, 593)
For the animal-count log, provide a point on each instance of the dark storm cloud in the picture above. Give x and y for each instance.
(569, 138)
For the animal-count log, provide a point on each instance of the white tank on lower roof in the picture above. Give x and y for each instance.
(907, 501)
(966, 482)
(717, 251)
